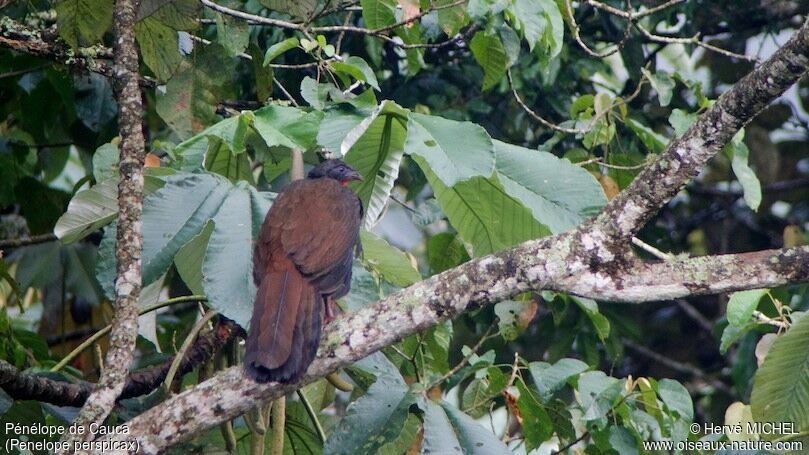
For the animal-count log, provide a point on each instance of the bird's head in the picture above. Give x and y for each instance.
(335, 169)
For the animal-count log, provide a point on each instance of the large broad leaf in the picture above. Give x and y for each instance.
(232, 33)
(375, 147)
(158, 45)
(227, 272)
(192, 93)
(88, 211)
(541, 23)
(231, 132)
(455, 151)
(559, 193)
(177, 14)
(83, 22)
(451, 19)
(221, 160)
(376, 418)
(483, 213)
(177, 214)
(189, 259)
(473, 438)
(781, 385)
(336, 124)
(378, 13)
(287, 126)
(93, 208)
(549, 379)
(394, 265)
(491, 56)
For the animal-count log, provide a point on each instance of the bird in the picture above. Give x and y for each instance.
(301, 265)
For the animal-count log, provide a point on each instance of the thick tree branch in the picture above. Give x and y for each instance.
(24, 386)
(129, 239)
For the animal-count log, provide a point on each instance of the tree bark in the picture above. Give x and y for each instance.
(129, 239)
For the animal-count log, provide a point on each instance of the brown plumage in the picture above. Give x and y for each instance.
(302, 261)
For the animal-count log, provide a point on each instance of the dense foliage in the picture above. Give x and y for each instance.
(477, 125)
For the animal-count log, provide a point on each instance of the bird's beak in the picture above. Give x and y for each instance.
(354, 175)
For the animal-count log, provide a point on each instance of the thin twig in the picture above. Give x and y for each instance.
(32, 240)
(693, 40)
(651, 250)
(681, 367)
(695, 314)
(486, 336)
(636, 14)
(189, 340)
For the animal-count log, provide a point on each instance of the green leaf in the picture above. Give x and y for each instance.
(508, 312)
(375, 148)
(177, 14)
(158, 45)
(82, 23)
(455, 151)
(439, 436)
(600, 322)
(227, 272)
(662, 83)
(297, 8)
(438, 341)
(186, 104)
(220, 160)
(537, 425)
(279, 48)
(451, 19)
(287, 126)
(549, 379)
(394, 265)
(597, 393)
(231, 133)
(106, 262)
(490, 54)
(378, 13)
(681, 120)
(400, 445)
(483, 213)
(560, 194)
(473, 438)
(336, 125)
(654, 142)
(781, 384)
(300, 435)
(357, 68)
(189, 102)
(376, 418)
(676, 398)
(105, 162)
(232, 33)
(742, 304)
(540, 22)
(732, 333)
(746, 176)
(174, 214)
(445, 251)
(190, 257)
(89, 210)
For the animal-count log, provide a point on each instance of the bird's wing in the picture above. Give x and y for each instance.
(321, 229)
